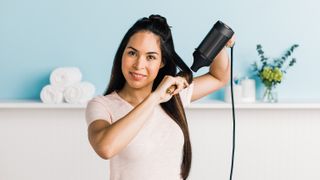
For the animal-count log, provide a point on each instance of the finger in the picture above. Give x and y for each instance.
(184, 82)
(232, 41)
(177, 91)
(171, 89)
(230, 45)
(180, 86)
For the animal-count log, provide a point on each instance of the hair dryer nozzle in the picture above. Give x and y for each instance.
(199, 61)
(211, 45)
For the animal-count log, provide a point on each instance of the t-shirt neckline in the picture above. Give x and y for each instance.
(123, 100)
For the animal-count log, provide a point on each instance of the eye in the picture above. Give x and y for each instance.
(132, 53)
(151, 57)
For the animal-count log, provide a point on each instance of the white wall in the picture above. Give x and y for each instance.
(49, 144)
(272, 143)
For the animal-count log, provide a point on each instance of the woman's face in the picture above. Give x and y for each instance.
(141, 60)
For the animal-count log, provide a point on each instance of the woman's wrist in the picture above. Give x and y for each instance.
(154, 98)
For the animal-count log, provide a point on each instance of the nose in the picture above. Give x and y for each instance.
(139, 63)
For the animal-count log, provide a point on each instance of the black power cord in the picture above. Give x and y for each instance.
(233, 117)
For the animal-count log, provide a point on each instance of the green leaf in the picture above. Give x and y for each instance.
(260, 52)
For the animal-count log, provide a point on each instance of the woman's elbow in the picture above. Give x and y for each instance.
(225, 80)
(223, 77)
(104, 152)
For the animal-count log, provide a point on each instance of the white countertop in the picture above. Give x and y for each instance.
(202, 104)
(256, 105)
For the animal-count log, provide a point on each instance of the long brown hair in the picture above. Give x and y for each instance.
(158, 25)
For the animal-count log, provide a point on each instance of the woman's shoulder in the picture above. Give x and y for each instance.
(100, 107)
(109, 106)
(105, 99)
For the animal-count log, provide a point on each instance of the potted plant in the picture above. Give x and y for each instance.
(271, 70)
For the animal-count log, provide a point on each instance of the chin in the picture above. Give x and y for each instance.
(138, 85)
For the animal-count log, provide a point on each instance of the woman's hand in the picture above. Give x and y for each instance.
(231, 41)
(170, 86)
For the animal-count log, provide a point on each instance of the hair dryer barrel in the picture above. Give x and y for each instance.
(211, 45)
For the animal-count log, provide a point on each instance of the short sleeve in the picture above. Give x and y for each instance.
(186, 95)
(97, 109)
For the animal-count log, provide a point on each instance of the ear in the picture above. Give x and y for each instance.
(162, 64)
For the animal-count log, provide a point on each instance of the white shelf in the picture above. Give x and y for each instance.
(34, 104)
(211, 104)
(203, 104)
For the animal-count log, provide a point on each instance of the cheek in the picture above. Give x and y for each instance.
(154, 69)
(124, 65)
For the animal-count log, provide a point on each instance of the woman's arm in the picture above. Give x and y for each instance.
(217, 77)
(109, 139)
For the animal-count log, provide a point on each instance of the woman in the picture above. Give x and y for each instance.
(140, 124)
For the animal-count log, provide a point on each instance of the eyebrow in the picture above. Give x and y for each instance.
(147, 52)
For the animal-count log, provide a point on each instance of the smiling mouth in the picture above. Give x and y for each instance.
(137, 76)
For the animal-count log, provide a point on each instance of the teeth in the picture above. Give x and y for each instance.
(137, 75)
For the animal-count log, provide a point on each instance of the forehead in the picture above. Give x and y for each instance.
(145, 41)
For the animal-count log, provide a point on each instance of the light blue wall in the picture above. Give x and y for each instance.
(37, 36)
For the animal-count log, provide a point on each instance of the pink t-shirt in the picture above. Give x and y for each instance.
(155, 152)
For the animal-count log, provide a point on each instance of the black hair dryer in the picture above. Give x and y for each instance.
(211, 45)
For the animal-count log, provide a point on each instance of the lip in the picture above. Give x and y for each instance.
(137, 76)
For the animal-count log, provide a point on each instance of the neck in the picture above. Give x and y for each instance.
(134, 96)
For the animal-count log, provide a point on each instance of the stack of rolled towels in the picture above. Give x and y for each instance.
(66, 85)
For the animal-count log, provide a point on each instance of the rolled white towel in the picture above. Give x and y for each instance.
(50, 94)
(89, 90)
(64, 77)
(79, 93)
